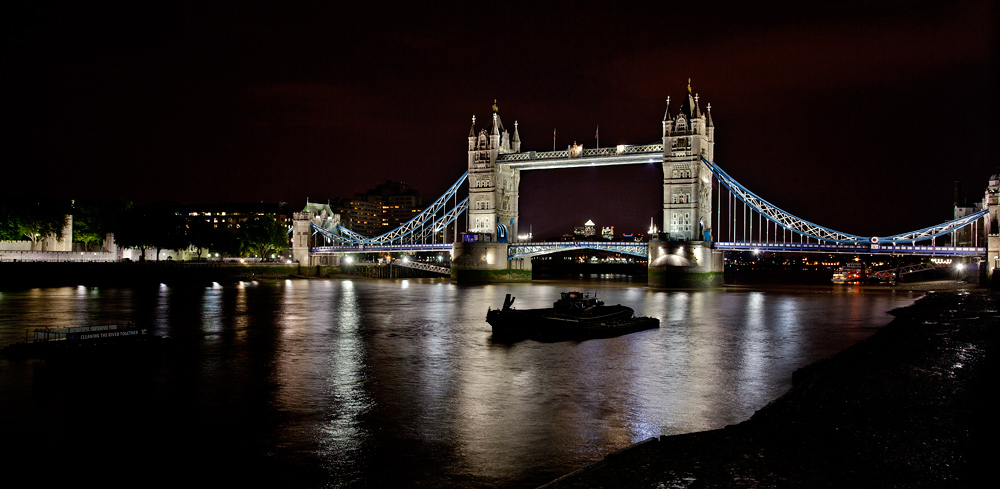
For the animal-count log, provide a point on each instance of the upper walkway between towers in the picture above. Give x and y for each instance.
(577, 156)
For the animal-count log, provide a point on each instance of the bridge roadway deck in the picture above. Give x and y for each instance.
(866, 248)
(522, 250)
(527, 250)
(403, 248)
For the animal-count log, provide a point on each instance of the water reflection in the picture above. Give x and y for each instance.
(360, 383)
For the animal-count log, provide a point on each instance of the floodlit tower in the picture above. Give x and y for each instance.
(493, 189)
(688, 136)
(991, 201)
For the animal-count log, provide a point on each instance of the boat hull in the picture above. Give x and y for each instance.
(91, 341)
(546, 325)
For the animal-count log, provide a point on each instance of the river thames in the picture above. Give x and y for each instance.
(371, 383)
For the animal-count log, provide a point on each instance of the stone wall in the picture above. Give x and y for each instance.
(684, 264)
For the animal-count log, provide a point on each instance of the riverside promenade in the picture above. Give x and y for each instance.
(911, 407)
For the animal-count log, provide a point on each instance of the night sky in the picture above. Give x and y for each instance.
(858, 116)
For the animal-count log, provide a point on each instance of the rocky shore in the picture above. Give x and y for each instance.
(909, 407)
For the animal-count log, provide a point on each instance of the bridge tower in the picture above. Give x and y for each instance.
(688, 136)
(683, 256)
(493, 188)
(992, 227)
(493, 209)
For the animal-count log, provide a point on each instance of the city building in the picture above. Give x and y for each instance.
(381, 209)
(585, 232)
(232, 216)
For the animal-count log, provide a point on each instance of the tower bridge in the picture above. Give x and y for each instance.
(705, 213)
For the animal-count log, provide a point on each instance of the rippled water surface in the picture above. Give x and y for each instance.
(363, 383)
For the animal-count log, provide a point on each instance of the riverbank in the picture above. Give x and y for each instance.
(905, 408)
(25, 275)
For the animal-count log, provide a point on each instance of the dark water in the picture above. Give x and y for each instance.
(362, 383)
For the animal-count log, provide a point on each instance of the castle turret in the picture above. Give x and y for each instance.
(493, 189)
(687, 183)
(516, 142)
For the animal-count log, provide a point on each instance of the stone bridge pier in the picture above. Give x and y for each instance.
(486, 262)
(684, 264)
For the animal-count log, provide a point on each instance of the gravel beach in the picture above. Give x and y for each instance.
(908, 407)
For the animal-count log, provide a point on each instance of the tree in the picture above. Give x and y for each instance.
(261, 235)
(130, 227)
(9, 228)
(152, 226)
(31, 218)
(168, 230)
(90, 223)
(201, 234)
(205, 236)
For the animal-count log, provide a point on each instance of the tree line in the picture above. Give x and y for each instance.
(154, 226)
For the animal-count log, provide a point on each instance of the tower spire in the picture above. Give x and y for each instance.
(516, 141)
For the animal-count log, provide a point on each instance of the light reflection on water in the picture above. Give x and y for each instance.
(360, 383)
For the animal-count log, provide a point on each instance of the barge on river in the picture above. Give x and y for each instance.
(575, 316)
(42, 342)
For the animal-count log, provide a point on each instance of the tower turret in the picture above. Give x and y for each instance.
(516, 142)
(687, 182)
(493, 188)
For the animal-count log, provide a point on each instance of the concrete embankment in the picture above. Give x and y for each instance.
(908, 407)
(20, 275)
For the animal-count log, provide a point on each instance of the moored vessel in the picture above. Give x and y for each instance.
(851, 273)
(575, 316)
(42, 342)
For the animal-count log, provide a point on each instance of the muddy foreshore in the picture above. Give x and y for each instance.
(908, 407)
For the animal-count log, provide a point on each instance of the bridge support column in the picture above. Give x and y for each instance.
(479, 263)
(684, 264)
(301, 234)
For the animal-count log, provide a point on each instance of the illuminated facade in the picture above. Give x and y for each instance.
(688, 136)
(380, 209)
(232, 216)
(991, 200)
(493, 188)
(586, 231)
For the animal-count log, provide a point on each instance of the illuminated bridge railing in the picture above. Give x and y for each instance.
(423, 266)
(809, 230)
(615, 155)
(401, 248)
(609, 151)
(859, 247)
(422, 227)
(527, 250)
